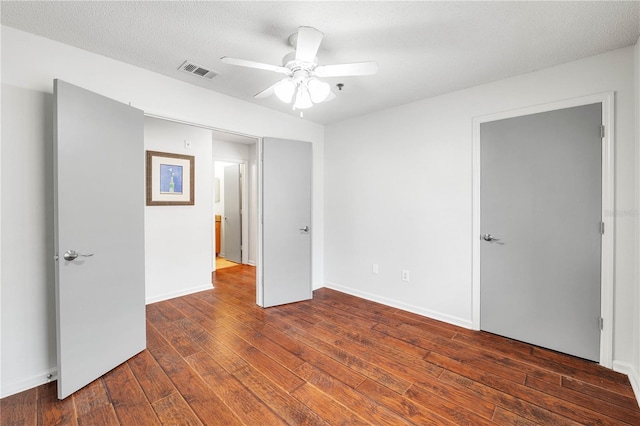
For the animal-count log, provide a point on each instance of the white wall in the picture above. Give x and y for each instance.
(232, 152)
(29, 65)
(398, 192)
(178, 239)
(252, 168)
(27, 345)
(218, 205)
(218, 174)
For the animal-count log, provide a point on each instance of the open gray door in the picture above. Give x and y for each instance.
(232, 214)
(541, 198)
(286, 227)
(99, 234)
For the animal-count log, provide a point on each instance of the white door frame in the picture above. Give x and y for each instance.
(260, 263)
(607, 254)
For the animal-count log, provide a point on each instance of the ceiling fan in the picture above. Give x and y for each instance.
(302, 71)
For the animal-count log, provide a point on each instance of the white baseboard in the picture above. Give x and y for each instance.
(23, 385)
(251, 262)
(174, 294)
(633, 373)
(401, 305)
(42, 378)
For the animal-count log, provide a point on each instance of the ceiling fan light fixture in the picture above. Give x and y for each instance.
(301, 69)
(318, 90)
(303, 98)
(284, 90)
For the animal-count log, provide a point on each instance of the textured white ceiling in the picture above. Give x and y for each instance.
(423, 48)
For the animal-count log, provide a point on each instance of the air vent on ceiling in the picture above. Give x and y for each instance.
(191, 68)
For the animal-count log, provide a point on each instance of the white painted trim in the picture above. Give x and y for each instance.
(203, 126)
(31, 382)
(259, 248)
(635, 382)
(608, 239)
(1, 389)
(400, 305)
(608, 173)
(246, 213)
(174, 294)
(633, 373)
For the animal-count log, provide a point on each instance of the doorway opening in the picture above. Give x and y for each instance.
(193, 235)
(229, 211)
(276, 188)
(234, 214)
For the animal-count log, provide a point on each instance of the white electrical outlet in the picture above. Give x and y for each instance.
(374, 268)
(405, 275)
(187, 144)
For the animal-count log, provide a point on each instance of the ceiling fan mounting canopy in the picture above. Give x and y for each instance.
(301, 69)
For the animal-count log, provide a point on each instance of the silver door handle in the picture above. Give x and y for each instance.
(305, 229)
(70, 255)
(489, 237)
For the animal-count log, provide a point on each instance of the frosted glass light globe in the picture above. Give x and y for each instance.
(319, 90)
(284, 90)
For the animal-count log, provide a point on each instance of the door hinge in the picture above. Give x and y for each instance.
(602, 228)
(602, 131)
(601, 323)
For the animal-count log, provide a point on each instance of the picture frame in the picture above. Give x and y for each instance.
(170, 179)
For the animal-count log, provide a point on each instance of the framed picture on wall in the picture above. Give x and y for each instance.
(170, 179)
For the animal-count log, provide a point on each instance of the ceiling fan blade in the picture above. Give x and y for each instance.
(266, 92)
(252, 64)
(308, 44)
(345, 70)
(330, 97)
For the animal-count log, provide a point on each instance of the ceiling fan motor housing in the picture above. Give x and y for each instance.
(289, 61)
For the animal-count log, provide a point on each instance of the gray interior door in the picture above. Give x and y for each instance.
(99, 234)
(540, 223)
(232, 214)
(286, 210)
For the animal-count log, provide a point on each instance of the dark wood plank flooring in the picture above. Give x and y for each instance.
(216, 358)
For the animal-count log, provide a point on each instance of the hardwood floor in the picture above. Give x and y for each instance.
(216, 358)
(222, 263)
